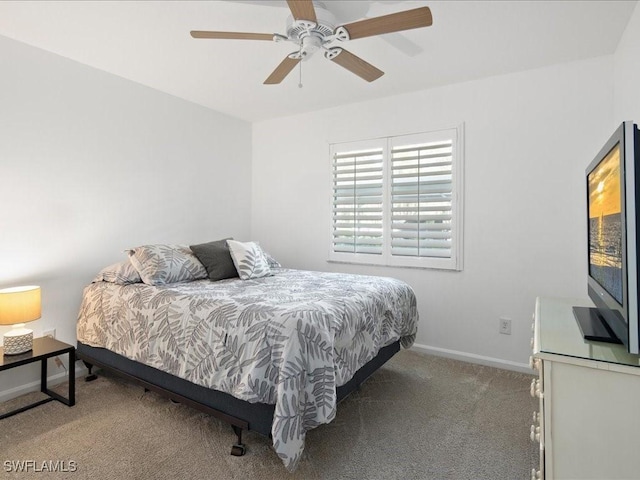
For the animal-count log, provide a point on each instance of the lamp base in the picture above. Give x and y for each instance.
(17, 341)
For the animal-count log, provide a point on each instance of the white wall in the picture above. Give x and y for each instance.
(91, 164)
(529, 137)
(627, 73)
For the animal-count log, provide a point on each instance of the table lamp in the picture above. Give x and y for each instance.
(19, 305)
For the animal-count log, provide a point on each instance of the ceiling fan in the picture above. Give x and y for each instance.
(312, 28)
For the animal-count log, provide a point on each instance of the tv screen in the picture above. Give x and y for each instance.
(605, 224)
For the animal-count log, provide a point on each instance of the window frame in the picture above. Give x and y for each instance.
(455, 262)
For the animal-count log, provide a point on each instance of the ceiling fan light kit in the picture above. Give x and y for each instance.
(311, 27)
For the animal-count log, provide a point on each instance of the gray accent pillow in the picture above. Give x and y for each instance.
(249, 260)
(216, 258)
(162, 264)
(121, 273)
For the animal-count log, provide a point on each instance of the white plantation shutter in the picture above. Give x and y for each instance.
(398, 200)
(357, 200)
(421, 193)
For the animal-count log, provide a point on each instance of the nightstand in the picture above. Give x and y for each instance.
(43, 349)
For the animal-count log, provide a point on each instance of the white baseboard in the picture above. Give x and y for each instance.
(34, 386)
(473, 358)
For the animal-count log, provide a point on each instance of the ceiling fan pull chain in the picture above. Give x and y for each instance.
(300, 81)
(300, 71)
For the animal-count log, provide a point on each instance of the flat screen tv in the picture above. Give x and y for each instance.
(613, 185)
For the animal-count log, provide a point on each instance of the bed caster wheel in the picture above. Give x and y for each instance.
(90, 375)
(238, 450)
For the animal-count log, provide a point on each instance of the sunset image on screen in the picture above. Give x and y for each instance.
(604, 186)
(605, 224)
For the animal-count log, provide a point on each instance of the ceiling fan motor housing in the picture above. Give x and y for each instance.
(311, 36)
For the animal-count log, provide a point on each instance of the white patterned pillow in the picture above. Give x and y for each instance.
(273, 263)
(249, 259)
(162, 264)
(121, 273)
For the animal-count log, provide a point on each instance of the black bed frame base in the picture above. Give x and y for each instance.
(238, 449)
(257, 416)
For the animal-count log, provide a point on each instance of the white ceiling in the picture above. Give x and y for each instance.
(149, 42)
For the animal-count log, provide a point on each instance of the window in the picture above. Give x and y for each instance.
(398, 201)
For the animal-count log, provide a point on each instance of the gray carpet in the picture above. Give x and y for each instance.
(419, 417)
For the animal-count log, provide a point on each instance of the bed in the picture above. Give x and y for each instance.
(273, 354)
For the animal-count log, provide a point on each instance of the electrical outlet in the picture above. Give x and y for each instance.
(49, 333)
(505, 326)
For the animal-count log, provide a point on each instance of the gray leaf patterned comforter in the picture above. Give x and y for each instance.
(289, 339)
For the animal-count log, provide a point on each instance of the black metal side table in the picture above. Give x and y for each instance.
(43, 349)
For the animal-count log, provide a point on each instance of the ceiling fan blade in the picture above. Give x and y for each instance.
(303, 10)
(354, 64)
(402, 43)
(232, 35)
(394, 22)
(282, 71)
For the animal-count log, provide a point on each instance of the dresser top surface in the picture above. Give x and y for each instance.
(558, 334)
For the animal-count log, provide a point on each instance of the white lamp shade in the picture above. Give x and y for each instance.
(19, 305)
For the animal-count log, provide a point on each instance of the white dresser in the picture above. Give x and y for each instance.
(588, 422)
